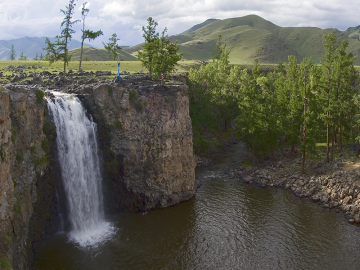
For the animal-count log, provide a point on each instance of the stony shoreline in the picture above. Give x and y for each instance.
(335, 188)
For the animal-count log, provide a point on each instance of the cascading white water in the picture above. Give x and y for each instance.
(77, 150)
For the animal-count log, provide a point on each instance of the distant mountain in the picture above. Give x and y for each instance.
(353, 32)
(95, 54)
(252, 37)
(30, 46)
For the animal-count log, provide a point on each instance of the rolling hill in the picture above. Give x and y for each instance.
(252, 37)
(29, 46)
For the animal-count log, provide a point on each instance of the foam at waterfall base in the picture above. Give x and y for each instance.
(102, 232)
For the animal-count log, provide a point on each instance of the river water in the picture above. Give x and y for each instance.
(227, 225)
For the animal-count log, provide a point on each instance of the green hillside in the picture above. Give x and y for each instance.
(198, 26)
(94, 54)
(252, 37)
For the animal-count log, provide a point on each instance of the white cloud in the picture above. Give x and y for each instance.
(125, 17)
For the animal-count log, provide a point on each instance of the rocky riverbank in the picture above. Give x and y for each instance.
(335, 185)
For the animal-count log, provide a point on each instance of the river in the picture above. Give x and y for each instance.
(227, 225)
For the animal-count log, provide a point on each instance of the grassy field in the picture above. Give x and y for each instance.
(129, 66)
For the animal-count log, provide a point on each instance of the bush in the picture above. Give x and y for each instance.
(45, 146)
(2, 153)
(118, 124)
(139, 106)
(4, 262)
(40, 94)
(132, 95)
(19, 158)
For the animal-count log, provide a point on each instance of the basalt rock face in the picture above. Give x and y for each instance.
(27, 177)
(145, 138)
(145, 144)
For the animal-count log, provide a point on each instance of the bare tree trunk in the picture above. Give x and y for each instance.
(340, 138)
(81, 54)
(332, 144)
(253, 154)
(292, 149)
(327, 142)
(304, 131)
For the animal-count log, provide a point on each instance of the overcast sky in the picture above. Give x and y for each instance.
(38, 18)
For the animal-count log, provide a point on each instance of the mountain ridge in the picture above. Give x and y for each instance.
(252, 37)
(29, 46)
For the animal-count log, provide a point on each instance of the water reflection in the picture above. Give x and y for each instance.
(228, 225)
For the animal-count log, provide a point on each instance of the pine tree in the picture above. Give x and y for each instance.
(23, 57)
(67, 31)
(112, 47)
(12, 53)
(59, 50)
(166, 56)
(86, 34)
(328, 86)
(249, 125)
(149, 47)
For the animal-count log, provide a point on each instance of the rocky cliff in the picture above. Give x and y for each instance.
(146, 140)
(27, 179)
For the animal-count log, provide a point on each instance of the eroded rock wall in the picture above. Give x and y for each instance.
(146, 140)
(26, 183)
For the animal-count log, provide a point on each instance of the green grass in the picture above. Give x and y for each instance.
(129, 66)
(246, 164)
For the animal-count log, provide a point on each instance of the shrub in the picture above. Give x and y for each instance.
(110, 90)
(139, 106)
(19, 158)
(132, 95)
(2, 153)
(45, 146)
(40, 94)
(17, 208)
(118, 124)
(4, 262)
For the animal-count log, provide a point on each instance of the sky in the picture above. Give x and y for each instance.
(39, 18)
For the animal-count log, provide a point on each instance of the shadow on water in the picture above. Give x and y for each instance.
(227, 225)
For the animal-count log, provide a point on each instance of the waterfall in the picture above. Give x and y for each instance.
(80, 170)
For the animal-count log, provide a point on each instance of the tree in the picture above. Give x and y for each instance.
(53, 50)
(12, 52)
(23, 57)
(149, 47)
(166, 56)
(213, 90)
(67, 31)
(86, 34)
(59, 50)
(36, 56)
(112, 47)
(219, 49)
